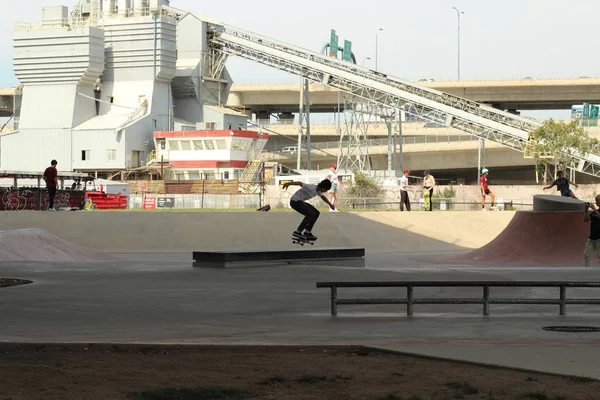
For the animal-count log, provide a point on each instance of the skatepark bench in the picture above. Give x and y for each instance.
(486, 300)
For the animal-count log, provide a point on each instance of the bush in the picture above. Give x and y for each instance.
(447, 194)
(363, 186)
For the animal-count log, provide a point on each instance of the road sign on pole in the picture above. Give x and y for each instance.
(333, 44)
(347, 56)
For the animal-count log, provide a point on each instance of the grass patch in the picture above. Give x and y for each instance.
(311, 379)
(274, 380)
(197, 393)
(581, 379)
(464, 388)
(539, 396)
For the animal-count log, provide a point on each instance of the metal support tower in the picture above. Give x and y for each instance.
(304, 125)
(354, 142)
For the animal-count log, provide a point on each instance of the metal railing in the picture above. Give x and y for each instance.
(485, 300)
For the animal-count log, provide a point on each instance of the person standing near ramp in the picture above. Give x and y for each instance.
(51, 179)
(404, 186)
(593, 243)
(485, 190)
(333, 192)
(428, 184)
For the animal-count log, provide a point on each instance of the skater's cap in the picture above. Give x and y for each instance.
(406, 170)
(425, 173)
(333, 166)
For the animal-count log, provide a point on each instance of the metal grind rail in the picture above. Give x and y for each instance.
(485, 300)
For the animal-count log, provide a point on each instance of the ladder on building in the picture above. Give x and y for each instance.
(251, 176)
(477, 119)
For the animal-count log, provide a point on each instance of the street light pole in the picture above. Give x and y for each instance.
(377, 47)
(458, 12)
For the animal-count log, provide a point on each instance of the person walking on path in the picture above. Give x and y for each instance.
(404, 186)
(485, 190)
(428, 184)
(562, 184)
(333, 192)
(51, 179)
(593, 242)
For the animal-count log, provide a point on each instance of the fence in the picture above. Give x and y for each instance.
(194, 201)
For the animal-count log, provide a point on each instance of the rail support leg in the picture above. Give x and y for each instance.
(486, 300)
(563, 300)
(333, 300)
(409, 300)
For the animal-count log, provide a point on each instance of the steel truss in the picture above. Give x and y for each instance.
(477, 119)
(354, 142)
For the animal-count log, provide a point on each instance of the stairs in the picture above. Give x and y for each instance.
(250, 179)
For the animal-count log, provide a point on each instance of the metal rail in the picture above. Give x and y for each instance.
(477, 119)
(486, 300)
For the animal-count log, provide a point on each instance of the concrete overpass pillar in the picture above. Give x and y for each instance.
(286, 118)
(263, 118)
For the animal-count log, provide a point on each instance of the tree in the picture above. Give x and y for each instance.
(558, 144)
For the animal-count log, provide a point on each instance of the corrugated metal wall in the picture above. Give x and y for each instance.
(33, 149)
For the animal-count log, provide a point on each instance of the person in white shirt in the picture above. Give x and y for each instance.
(311, 214)
(404, 186)
(333, 192)
(428, 184)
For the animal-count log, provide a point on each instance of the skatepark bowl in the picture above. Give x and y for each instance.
(148, 277)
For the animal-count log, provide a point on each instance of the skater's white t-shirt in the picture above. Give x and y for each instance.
(306, 192)
(403, 181)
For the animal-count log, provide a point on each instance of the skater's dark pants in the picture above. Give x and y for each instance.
(51, 195)
(404, 200)
(310, 213)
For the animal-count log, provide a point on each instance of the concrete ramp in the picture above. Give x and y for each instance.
(39, 245)
(536, 237)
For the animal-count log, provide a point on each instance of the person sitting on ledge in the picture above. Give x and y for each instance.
(562, 184)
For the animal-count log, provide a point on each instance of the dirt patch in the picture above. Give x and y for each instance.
(138, 372)
(6, 282)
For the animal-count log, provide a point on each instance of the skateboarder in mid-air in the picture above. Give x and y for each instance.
(298, 202)
(562, 184)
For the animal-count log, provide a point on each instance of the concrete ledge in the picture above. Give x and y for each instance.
(343, 257)
(544, 202)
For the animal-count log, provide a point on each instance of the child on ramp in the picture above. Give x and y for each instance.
(311, 214)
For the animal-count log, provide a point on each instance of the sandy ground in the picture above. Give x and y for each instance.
(83, 372)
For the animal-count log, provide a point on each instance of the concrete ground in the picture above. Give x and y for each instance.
(152, 294)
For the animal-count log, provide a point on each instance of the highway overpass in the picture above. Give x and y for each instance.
(524, 94)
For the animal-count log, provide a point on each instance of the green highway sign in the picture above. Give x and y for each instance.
(347, 50)
(333, 44)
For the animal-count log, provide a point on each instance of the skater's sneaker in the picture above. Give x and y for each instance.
(309, 236)
(298, 235)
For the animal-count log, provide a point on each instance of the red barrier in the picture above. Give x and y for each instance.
(107, 201)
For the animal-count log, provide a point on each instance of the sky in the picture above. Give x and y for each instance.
(509, 39)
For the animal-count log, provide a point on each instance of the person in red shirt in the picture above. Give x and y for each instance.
(51, 179)
(485, 190)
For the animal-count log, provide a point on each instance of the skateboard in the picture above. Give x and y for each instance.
(301, 242)
(426, 200)
(265, 208)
